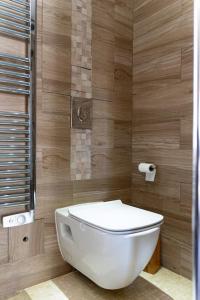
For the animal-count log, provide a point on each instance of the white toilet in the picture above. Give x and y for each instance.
(109, 242)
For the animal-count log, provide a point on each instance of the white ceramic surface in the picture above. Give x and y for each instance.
(111, 260)
(114, 216)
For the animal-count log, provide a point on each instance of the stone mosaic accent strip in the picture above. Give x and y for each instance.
(82, 6)
(81, 42)
(81, 34)
(81, 84)
(80, 154)
(81, 49)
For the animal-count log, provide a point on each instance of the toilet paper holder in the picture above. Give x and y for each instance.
(149, 169)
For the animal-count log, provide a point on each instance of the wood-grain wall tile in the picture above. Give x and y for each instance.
(109, 162)
(3, 245)
(157, 18)
(186, 200)
(26, 241)
(170, 254)
(162, 100)
(145, 8)
(163, 135)
(50, 238)
(103, 133)
(187, 63)
(186, 132)
(158, 67)
(56, 46)
(186, 261)
(162, 120)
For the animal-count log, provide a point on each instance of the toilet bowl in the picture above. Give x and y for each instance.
(109, 242)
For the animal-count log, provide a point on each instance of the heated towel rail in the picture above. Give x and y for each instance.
(17, 129)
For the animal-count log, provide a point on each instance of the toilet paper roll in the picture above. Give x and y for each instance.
(149, 170)
(146, 167)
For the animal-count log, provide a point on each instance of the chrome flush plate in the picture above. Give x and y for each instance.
(18, 219)
(81, 113)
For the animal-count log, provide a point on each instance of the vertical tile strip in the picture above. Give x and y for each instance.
(81, 84)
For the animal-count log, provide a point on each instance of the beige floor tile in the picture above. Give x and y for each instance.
(45, 291)
(75, 286)
(78, 287)
(176, 286)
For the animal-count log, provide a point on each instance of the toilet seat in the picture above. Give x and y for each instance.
(105, 216)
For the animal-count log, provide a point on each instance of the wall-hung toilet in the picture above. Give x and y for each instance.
(109, 242)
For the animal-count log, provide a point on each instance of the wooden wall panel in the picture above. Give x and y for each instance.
(53, 154)
(26, 241)
(56, 46)
(39, 259)
(112, 34)
(162, 121)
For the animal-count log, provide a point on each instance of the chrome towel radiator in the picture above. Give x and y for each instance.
(17, 128)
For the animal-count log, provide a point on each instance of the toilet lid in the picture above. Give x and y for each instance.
(114, 216)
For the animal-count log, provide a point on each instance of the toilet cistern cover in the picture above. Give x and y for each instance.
(114, 216)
